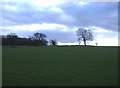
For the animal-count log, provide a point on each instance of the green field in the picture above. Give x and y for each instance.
(60, 66)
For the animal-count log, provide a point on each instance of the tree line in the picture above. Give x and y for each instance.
(39, 39)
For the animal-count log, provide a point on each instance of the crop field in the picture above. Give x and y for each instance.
(60, 66)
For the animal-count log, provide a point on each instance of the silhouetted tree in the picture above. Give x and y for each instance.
(39, 36)
(96, 43)
(43, 42)
(84, 35)
(12, 38)
(53, 42)
(39, 39)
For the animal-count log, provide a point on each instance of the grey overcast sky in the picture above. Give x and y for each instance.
(59, 19)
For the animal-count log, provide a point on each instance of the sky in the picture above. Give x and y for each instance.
(59, 19)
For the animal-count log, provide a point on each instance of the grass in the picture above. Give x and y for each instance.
(60, 66)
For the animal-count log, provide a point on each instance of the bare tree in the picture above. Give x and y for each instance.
(84, 35)
(53, 42)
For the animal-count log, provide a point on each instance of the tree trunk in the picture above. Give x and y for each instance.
(84, 41)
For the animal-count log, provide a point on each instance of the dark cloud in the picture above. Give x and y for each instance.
(24, 14)
(99, 14)
(28, 16)
(94, 14)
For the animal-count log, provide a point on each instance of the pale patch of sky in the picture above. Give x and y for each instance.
(34, 27)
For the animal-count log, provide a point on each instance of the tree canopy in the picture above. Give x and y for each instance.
(84, 35)
(38, 39)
